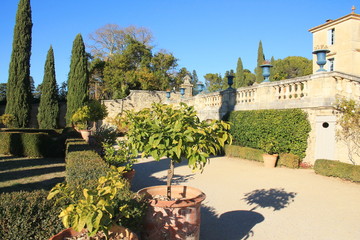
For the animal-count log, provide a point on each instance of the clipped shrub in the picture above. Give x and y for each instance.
(289, 160)
(289, 127)
(83, 168)
(244, 152)
(28, 215)
(337, 169)
(32, 144)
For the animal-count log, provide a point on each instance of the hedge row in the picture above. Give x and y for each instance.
(285, 159)
(83, 165)
(290, 128)
(28, 215)
(338, 169)
(34, 142)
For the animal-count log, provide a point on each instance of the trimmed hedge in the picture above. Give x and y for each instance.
(290, 128)
(244, 152)
(35, 142)
(289, 160)
(285, 159)
(338, 169)
(28, 215)
(83, 165)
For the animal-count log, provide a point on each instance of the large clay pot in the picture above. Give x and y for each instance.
(69, 232)
(269, 160)
(172, 219)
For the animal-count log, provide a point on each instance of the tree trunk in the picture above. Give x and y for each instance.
(169, 178)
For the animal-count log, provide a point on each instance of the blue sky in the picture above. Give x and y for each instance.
(205, 35)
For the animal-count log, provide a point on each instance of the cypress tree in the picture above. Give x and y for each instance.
(272, 62)
(78, 79)
(239, 75)
(49, 106)
(18, 95)
(260, 61)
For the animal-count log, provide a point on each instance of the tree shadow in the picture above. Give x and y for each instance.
(9, 164)
(233, 225)
(271, 198)
(46, 185)
(6, 176)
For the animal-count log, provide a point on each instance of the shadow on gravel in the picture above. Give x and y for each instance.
(233, 225)
(144, 170)
(271, 198)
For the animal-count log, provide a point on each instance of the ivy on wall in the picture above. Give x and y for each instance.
(290, 128)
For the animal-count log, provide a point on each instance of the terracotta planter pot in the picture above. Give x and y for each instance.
(85, 134)
(129, 175)
(175, 219)
(270, 160)
(69, 232)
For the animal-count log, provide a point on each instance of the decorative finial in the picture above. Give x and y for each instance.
(353, 9)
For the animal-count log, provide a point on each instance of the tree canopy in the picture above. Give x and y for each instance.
(291, 67)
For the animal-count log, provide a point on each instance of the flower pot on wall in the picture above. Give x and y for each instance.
(85, 134)
(270, 160)
(178, 218)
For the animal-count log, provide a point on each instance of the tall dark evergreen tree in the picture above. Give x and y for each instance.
(260, 61)
(78, 79)
(18, 88)
(49, 106)
(272, 62)
(239, 75)
(194, 82)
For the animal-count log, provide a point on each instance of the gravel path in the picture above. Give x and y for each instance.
(247, 201)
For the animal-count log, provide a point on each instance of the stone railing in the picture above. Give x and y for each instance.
(313, 91)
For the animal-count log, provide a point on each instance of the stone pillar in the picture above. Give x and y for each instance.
(187, 86)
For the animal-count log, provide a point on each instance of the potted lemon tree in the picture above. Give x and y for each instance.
(90, 113)
(175, 133)
(271, 147)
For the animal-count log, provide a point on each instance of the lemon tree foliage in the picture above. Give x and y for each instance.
(96, 211)
(175, 133)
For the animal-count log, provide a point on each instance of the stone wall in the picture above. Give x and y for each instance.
(315, 94)
(34, 111)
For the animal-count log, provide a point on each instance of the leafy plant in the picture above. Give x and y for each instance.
(175, 133)
(96, 211)
(122, 156)
(91, 112)
(8, 120)
(349, 121)
(270, 145)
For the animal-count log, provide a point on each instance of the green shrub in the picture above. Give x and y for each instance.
(337, 169)
(83, 168)
(289, 160)
(28, 215)
(244, 152)
(290, 128)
